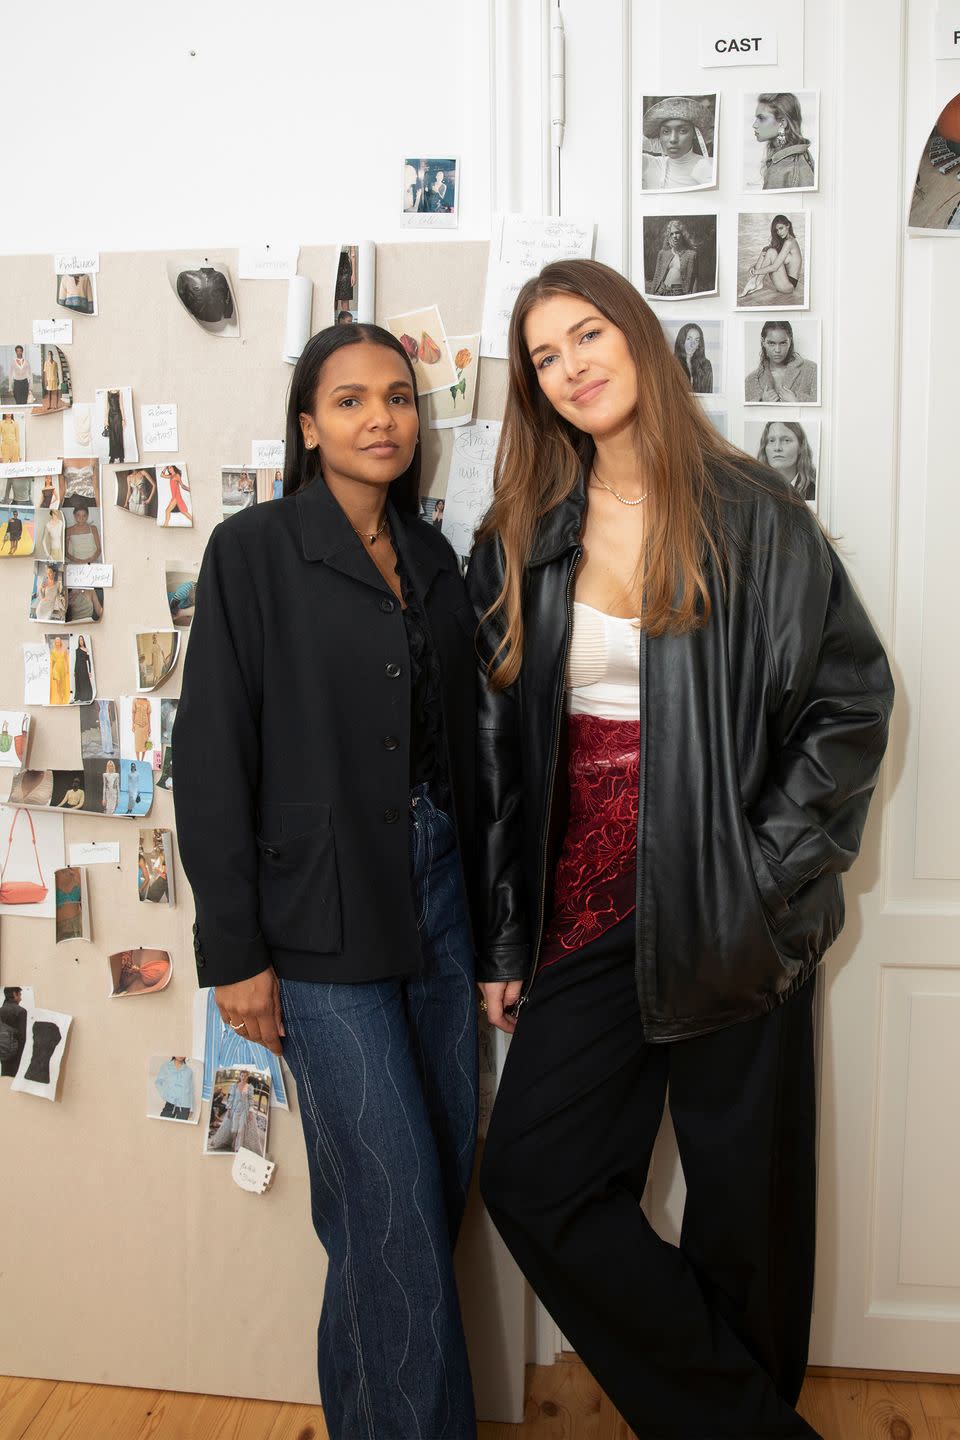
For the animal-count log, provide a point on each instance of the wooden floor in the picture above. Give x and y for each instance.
(563, 1403)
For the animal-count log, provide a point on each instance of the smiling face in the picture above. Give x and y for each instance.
(766, 126)
(676, 138)
(776, 345)
(364, 418)
(583, 365)
(782, 450)
(692, 342)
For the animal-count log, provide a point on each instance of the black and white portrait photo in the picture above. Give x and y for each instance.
(781, 131)
(791, 448)
(773, 261)
(678, 143)
(935, 204)
(679, 256)
(698, 347)
(782, 361)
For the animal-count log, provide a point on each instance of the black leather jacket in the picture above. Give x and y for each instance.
(761, 739)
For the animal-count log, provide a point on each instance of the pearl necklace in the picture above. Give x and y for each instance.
(621, 498)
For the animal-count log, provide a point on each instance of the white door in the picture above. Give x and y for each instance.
(888, 1269)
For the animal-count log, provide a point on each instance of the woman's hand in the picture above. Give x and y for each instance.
(500, 996)
(252, 1007)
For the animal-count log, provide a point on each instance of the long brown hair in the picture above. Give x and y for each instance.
(541, 457)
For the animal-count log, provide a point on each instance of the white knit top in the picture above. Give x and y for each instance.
(603, 667)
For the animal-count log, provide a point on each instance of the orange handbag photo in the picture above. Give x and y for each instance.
(21, 892)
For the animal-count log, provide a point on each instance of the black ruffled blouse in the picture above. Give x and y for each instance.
(427, 747)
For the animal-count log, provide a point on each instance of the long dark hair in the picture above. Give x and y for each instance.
(776, 240)
(696, 367)
(302, 466)
(784, 325)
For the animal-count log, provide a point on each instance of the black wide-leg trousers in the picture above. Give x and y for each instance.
(701, 1341)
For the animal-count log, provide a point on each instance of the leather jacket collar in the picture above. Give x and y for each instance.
(560, 529)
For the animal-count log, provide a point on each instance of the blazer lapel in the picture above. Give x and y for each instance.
(422, 561)
(326, 535)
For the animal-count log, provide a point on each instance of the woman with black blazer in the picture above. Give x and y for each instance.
(325, 770)
(684, 713)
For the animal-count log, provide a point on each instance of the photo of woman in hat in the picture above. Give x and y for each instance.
(679, 142)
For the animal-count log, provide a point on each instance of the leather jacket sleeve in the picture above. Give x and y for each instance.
(833, 694)
(503, 942)
(216, 741)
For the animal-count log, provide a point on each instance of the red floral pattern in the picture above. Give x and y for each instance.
(595, 879)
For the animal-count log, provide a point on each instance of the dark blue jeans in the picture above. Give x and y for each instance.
(386, 1076)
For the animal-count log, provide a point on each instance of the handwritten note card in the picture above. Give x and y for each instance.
(88, 577)
(94, 852)
(267, 454)
(36, 673)
(268, 262)
(251, 1171)
(520, 246)
(53, 332)
(78, 262)
(13, 468)
(158, 426)
(470, 482)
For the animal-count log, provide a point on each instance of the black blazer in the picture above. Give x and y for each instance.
(292, 742)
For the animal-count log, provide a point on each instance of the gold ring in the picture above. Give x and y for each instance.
(241, 1026)
(483, 1005)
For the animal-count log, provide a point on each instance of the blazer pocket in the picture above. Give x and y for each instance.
(299, 883)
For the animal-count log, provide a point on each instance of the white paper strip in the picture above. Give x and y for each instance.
(158, 427)
(95, 852)
(30, 467)
(78, 262)
(299, 310)
(88, 577)
(53, 332)
(520, 246)
(268, 262)
(470, 483)
(267, 454)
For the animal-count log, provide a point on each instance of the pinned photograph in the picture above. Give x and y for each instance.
(238, 489)
(173, 1088)
(14, 739)
(21, 375)
(354, 284)
(698, 347)
(773, 261)
(431, 508)
(100, 731)
(69, 790)
(82, 543)
(48, 600)
(17, 489)
(50, 529)
(455, 405)
(73, 908)
(174, 505)
(31, 850)
(139, 972)
(17, 1000)
(140, 724)
(155, 882)
(168, 714)
(719, 419)
(77, 293)
(78, 428)
(430, 192)
(55, 381)
(422, 335)
(39, 1068)
(137, 491)
(165, 778)
(13, 437)
(679, 256)
(782, 362)
(18, 529)
(33, 788)
(781, 136)
(239, 1111)
(221, 1047)
(70, 668)
(679, 142)
(78, 484)
(181, 581)
(157, 652)
(118, 787)
(791, 448)
(84, 605)
(114, 426)
(935, 206)
(205, 291)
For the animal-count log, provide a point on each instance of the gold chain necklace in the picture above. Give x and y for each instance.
(372, 539)
(621, 498)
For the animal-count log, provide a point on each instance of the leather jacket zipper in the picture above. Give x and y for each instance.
(528, 986)
(641, 978)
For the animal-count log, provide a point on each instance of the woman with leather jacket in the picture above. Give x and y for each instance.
(683, 715)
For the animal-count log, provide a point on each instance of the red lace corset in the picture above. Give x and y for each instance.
(595, 879)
